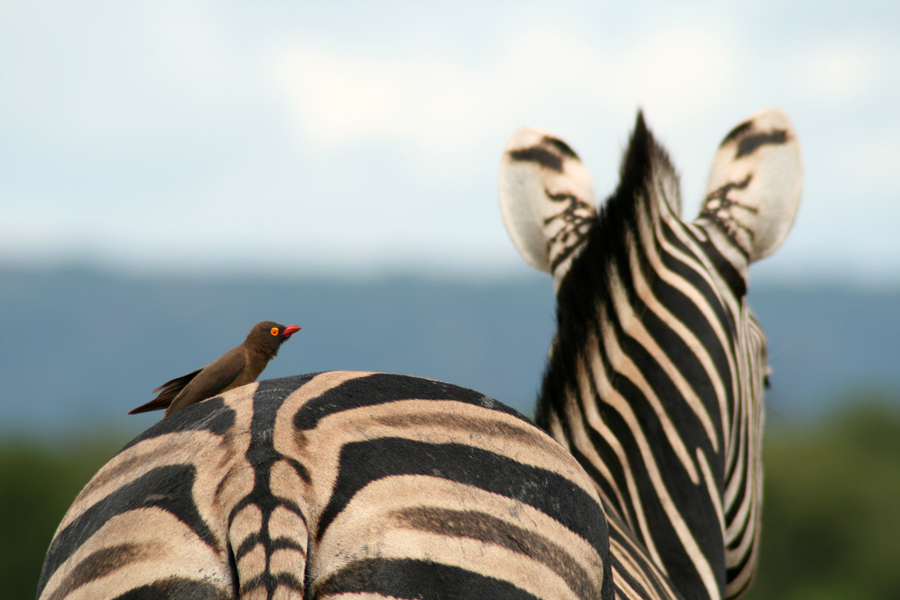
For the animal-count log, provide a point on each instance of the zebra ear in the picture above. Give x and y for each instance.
(754, 184)
(547, 200)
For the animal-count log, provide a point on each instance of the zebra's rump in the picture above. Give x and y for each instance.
(336, 483)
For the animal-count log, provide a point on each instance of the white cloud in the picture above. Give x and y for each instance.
(841, 72)
(130, 124)
(873, 163)
(443, 106)
(680, 72)
(98, 80)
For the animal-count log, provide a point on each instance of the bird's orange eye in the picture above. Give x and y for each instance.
(274, 331)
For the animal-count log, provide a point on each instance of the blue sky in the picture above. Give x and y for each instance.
(357, 139)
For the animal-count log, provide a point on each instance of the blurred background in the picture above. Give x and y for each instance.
(171, 173)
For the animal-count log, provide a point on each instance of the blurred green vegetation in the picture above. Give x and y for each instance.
(831, 512)
(38, 482)
(831, 519)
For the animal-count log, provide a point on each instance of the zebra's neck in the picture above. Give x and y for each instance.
(645, 367)
(640, 256)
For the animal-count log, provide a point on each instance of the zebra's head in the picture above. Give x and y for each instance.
(547, 197)
(657, 360)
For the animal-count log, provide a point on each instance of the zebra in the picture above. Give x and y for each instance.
(384, 485)
(656, 374)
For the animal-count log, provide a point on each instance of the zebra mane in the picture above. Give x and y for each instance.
(647, 191)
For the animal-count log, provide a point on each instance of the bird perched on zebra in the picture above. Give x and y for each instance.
(239, 366)
(341, 482)
(390, 486)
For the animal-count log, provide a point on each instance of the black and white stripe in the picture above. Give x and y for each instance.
(655, 377)
(338, 483)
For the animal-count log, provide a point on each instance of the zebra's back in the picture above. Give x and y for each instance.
(336, 483)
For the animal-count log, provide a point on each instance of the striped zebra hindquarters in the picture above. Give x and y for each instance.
(655, 375)
(336, 483)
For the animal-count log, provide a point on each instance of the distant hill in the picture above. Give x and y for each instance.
(79, 348)
(828, 343)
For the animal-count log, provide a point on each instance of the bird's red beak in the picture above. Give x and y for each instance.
(290, 330)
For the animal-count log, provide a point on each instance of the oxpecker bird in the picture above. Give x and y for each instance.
(239, 366)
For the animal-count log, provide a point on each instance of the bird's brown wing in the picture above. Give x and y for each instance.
(169, 390)
(211, 380)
